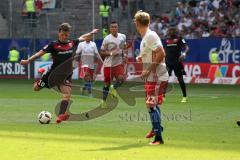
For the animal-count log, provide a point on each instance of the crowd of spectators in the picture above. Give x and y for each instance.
(201, 18)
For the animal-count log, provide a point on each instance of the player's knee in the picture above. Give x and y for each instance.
(107, 83)
(151, 101)
(66, 97)
(120, 79)
(87, 77)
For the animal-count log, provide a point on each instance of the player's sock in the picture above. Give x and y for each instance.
(155, 116)
(85, 86)
(158, 108)
(150, 113)
(183, 86)
(117, 84)
(63, 107)
(158, 139)
(105, 92)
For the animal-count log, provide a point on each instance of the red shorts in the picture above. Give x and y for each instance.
(155, 91)
(85, 71)
(110, 72)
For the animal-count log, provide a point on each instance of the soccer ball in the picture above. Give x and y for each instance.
(44, 117)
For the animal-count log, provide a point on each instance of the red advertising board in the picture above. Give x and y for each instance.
(195, 73)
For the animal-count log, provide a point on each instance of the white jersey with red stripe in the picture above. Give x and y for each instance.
(111, 43)
(150, 42)
(88, 51)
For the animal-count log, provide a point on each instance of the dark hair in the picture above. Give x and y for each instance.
(64, 27)
(114, 22)
(13, 48)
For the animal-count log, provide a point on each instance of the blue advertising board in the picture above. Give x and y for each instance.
(200, 49)
(22, 45)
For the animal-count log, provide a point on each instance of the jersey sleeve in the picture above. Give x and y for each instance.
(48, 48)
(76, 42)
(95, 48)
(79, 48)
(153, 41)
(124, 37)
(104, 43)
(181, 42)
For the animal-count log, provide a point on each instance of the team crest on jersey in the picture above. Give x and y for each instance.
(111, 46)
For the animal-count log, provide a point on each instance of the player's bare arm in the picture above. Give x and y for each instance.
(104, 52)
(125, 51)
(87, 35)
(32, 58)
(185, 52)
(160, 54)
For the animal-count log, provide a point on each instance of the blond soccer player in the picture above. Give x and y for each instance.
(154, 73)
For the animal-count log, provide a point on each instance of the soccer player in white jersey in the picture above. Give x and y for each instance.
(114, 51)
(88, 53)
(154, 72)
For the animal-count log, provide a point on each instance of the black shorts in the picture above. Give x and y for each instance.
(178, 69)
(50, 80)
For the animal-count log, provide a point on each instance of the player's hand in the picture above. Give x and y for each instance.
(145, 74)
(181, 58)
(24, 62)
(115, 52)
(94, 31)
(125, 45)
(139, 59)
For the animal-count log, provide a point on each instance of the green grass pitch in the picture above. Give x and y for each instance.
(202, 129)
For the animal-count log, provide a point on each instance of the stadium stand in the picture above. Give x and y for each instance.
(201, 18)
(188, 15)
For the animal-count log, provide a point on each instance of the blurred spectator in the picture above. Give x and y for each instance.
(124, 4)
(216, 4)
(205, 33)
(214, 56)
(141, 5)
(58, 4)
(203, 18)
(49, 4)
(104, 11)
(46, 57)
(114, 3)
(39, 5)
(31, 12)
(13, 54)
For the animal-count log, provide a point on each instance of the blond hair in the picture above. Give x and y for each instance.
(143, 18)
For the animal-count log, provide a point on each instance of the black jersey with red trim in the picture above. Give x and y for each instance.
(61, 52)
(173, 49)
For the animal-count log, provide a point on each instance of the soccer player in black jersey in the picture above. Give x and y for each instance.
(176, 50)
(59, 75)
